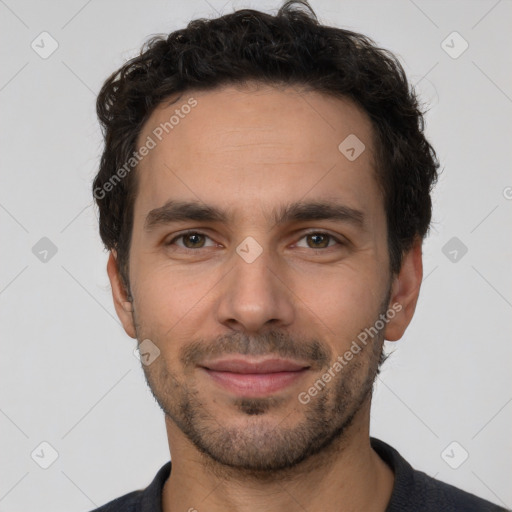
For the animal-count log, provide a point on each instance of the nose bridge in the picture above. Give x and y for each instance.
(253, 295)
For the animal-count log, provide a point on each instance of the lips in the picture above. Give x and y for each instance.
(252, 378)
(256, 367)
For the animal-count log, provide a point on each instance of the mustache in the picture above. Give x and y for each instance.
(272, 343)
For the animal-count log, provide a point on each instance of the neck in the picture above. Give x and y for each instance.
(348, 475)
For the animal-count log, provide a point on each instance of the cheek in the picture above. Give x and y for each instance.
(167, 299)
(345, 302)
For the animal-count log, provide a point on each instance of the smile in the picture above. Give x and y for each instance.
(250, 378)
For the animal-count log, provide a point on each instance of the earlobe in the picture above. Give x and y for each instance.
(404, 292)
(122, 303)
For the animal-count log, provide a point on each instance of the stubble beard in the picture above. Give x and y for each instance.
(257, 444)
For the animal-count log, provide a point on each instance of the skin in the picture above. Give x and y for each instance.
(253, 149)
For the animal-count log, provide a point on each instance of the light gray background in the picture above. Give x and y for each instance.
(67, 369)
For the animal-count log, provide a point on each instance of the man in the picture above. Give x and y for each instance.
(264, 192)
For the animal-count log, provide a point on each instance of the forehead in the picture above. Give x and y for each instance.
(256, 146)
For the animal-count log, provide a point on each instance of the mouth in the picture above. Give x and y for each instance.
(252, 378)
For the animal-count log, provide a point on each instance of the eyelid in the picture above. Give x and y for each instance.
(337, 238)
(181, 234)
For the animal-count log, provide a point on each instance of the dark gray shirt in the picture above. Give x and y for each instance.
(413, 491)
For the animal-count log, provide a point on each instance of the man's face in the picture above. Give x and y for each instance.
(249, 311)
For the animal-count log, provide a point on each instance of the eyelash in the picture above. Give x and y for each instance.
(193, 232)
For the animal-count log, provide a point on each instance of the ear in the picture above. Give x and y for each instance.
(404, 292)
(123, 305)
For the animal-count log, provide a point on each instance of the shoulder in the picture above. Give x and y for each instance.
(127, 503)
(415, 490)
(434, 493)
(148, 499)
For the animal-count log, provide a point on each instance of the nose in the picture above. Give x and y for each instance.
(255, 294)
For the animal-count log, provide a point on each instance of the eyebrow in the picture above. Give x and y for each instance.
(178, 211)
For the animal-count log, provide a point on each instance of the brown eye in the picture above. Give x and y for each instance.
(190, 240)
(319, 240)
(196, 240)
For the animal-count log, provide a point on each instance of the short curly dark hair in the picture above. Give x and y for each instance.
(290, 49)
